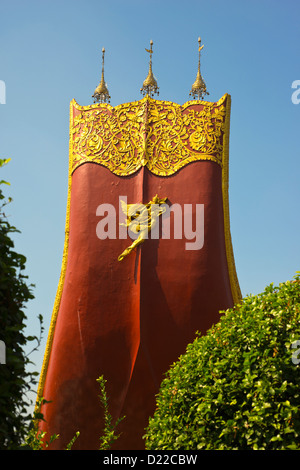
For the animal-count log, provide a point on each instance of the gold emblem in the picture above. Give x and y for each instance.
(141, 219)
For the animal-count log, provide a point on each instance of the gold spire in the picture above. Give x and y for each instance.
(150, 84)
(199, 88)
(101, 94)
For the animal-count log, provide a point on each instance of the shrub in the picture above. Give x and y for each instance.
(15, 379)
(237, 387)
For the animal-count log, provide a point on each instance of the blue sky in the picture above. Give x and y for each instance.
(51, 53)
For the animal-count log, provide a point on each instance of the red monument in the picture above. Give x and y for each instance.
(147, 260)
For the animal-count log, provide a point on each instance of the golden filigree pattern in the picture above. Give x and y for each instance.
(161, 135)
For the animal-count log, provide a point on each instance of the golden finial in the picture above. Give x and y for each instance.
(199, 88)
(101, 94)
(150, 84)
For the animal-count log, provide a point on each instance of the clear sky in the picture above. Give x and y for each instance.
(51, 53)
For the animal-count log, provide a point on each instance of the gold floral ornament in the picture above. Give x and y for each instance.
(161, 135)
(141, 219)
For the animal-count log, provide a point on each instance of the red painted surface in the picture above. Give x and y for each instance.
(130, 320)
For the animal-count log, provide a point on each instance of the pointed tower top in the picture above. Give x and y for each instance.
(199, 88)
(101, 94)
(150, 84)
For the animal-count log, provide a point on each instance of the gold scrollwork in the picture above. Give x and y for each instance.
(161, 135)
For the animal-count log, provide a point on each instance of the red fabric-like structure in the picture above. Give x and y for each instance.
(130, 320)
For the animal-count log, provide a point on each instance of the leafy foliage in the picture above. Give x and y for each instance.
(237, 387)
(15, 380)
(109, 435)
(36, 439)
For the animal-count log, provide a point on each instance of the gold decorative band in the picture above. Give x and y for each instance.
(161, 135)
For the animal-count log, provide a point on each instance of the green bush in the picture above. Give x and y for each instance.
(15, 379)
(237, 387)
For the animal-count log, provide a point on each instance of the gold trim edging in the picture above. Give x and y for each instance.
(234, 283)
(61, 279)
(161, 135)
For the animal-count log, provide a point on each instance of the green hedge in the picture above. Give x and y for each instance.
(237, 387)
(15, 378)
